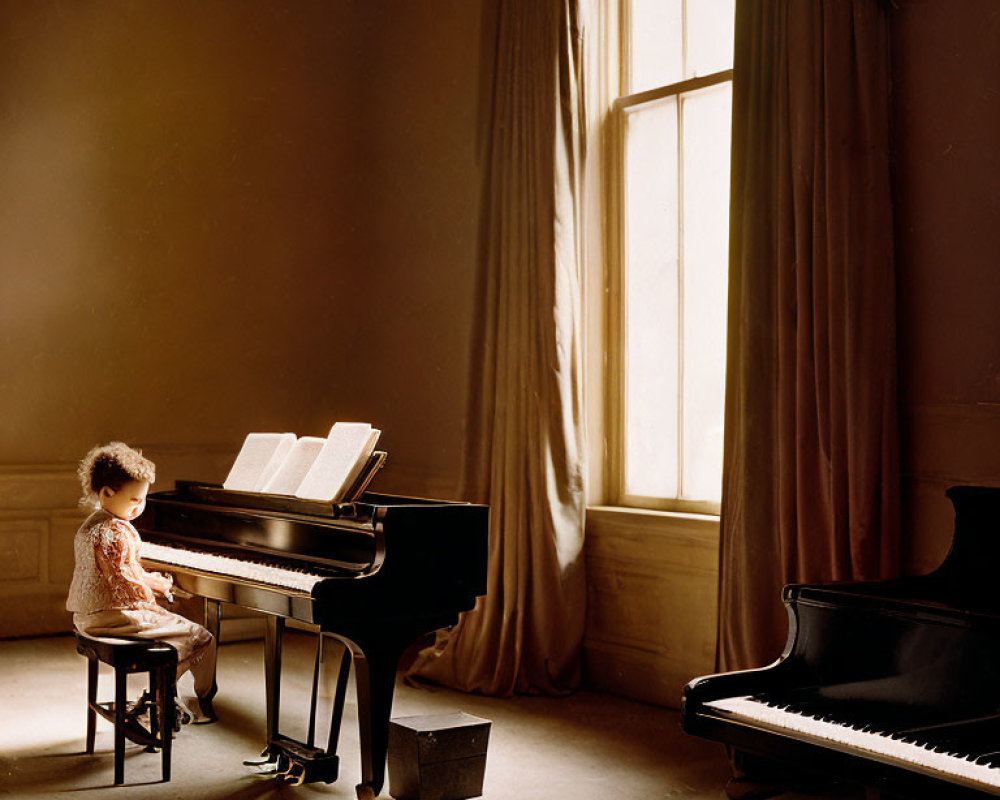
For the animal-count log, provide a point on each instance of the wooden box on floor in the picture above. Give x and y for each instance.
(437, 757)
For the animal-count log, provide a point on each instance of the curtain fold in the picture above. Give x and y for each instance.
(810, 483)
(525, 437)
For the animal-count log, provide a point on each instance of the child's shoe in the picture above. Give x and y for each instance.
(183, 715)
(206, 712)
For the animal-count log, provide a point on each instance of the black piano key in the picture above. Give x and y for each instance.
(968, 739)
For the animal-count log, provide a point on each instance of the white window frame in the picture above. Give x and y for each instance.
(615, 318)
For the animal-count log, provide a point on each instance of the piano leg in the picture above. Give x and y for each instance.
(339, 699)
(213, 624)
(272, 672)
(311, 736)
(375, 663)
(213, 617)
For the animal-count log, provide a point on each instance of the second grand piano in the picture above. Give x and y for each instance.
(377, 573)
(890, 684)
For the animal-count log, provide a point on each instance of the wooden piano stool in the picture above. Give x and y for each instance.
(125, 656)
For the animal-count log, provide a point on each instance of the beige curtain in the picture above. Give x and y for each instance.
(525, 436)
(810, 485)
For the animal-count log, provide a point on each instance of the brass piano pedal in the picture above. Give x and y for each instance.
(284, 766)
(273, 772)
(296, 774)
(280, 767)
(267, 758)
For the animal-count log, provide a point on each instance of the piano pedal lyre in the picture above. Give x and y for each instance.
(296, 763)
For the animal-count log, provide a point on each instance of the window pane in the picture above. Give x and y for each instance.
(651, 301)
(710, 25)
(706, 134)
(656, 43)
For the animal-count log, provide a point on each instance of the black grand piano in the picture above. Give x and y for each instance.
(894, 685)
(376, 573)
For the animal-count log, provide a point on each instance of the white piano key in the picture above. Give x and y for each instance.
(905, 754)
(232, 567)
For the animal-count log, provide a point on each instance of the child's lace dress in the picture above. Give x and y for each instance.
(109, 595)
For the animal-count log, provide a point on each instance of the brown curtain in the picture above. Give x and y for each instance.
(810, 483)
(525, 434)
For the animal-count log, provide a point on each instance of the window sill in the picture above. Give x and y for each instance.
(652, 513)
(701, 529)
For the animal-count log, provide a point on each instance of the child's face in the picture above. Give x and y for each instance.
(128, 502)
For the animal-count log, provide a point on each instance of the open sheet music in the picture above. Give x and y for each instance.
(335, 469)
(296, 466)
(260, 456)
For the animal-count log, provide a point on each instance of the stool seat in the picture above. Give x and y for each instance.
(133, 654)
(126, 655)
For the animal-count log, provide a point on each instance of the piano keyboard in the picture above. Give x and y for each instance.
(225, 566)
(903, 751)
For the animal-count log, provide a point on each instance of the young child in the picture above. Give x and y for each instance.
(111, 594)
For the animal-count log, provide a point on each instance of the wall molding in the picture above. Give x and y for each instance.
(23, 554)
(39, 488)
(39, 517)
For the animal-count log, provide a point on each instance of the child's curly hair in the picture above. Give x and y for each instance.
(113, 465)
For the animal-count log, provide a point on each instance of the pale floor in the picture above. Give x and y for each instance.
(584, 747)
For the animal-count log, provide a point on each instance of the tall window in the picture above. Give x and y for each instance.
(671, 214)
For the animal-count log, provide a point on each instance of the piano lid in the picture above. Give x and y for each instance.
(259, 501)
(360, 508)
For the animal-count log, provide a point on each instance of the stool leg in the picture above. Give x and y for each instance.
(120, 676)
(154, 708)
(91, 700)
(166, 681)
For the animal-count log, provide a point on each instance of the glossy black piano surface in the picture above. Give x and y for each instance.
(891, 684)
(378, 573)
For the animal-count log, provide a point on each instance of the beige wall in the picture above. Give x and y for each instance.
(222, 216)
(946, 119)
